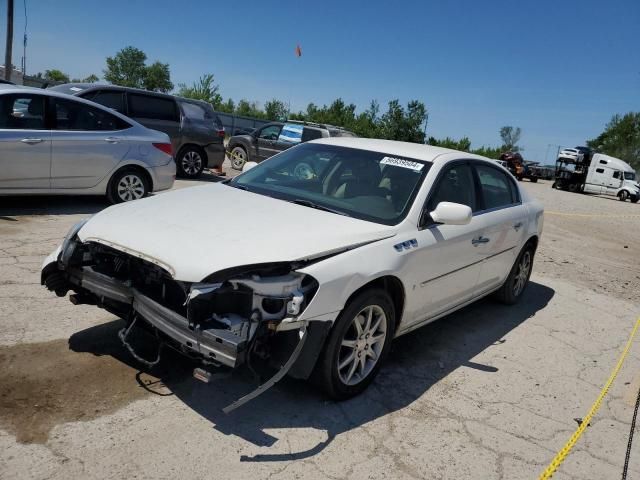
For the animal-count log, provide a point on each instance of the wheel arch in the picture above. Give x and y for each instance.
(135, 167)
(393, 286)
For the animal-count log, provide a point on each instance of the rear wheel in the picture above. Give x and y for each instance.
(358, 343)
(238, 158)
(191, 162)
(518, 278)
(127, 185)
(623, 195)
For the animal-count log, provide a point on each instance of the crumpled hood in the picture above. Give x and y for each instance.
(197, 231)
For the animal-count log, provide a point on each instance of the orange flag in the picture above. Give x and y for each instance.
(298, 51)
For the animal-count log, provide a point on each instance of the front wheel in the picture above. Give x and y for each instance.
(238, 158)
(623, 195)
(515, 284)
(635, 199)
(126, 186)
(190, 162)
(358, 343)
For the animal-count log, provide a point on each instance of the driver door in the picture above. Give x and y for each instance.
(446, 262)
(266, 142)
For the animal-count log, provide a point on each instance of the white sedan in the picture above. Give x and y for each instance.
(323, 254)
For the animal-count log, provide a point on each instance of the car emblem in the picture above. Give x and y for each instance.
(406, 245)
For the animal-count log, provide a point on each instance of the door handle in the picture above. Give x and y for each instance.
(112, 140)
(31, 141)
(477, 241)
(517, 226)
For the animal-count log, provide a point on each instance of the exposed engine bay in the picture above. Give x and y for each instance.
(233, 318)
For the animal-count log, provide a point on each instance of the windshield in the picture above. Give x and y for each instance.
(371, 186)
(629, 175)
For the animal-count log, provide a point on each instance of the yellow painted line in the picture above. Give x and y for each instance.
(604, 215)
(560, 456)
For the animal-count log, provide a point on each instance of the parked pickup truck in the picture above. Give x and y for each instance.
(275, 137)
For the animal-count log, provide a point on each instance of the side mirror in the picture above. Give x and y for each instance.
(449, 213)
(248, 166)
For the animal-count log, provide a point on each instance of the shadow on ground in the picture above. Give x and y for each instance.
(417, 361)
(50, 205)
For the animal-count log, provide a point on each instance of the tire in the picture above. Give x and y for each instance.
(534, 180)
(516, 283)
(623, 195)
(354, 376)
(238, 158)
(573, 187)
(127, 185)
(191, 162)
(635, 199)
(556, 185)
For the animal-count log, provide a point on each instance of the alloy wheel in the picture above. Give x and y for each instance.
(191, 163)
(130, 187)
(362, 345)
(238, 158)
(522, 275)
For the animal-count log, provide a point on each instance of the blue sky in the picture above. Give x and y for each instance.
(558, 69)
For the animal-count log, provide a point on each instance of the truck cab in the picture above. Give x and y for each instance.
(611, 176)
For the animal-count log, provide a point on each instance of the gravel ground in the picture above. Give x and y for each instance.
(489, 392)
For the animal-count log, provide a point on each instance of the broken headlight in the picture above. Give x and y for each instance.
(69, 243)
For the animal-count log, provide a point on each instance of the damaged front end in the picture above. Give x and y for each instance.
(246, 315)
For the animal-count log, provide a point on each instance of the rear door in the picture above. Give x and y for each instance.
(87, 144)
(25, 142)
(502, 219)
(157, 113)
(266, 141)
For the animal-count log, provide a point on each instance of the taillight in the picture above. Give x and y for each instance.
(165, 147)
(221, 132)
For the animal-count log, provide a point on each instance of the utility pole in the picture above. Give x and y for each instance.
(9, 43)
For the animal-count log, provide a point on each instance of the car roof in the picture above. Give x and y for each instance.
(87, 87)
(417, 151)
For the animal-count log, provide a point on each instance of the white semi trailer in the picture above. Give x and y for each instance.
(597, 173)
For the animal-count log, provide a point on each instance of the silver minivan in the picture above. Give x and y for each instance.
(52, 143)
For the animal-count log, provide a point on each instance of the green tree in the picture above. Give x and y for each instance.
(126, 68)
(157, 77)
(227, 107)
(621, 139)
(204, 89)
(276, 110)
(56, 75)
(93, 78)
(464, 144)
(405, 125)
(248, 109)
(510, 137)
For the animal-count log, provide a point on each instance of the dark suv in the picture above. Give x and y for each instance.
(196, 133)
(275, 137)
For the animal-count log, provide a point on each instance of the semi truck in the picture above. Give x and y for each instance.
(581, 170)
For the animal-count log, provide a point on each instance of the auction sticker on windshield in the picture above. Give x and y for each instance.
(401, 162)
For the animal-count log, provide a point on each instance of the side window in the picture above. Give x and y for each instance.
(149, 106)
(454, 185)
(72, 115)
(599, 170)
(290, 133)
(109, 99)
(270, 133)
(310, 134)
(616, 174)
(22, 112)
(194, 111)
(603, 162)
(497, 189)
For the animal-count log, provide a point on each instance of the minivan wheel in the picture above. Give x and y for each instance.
(238, 158)
(623, 195)
(190, 162)
(518, 278)
(358, 344)
(127, 185)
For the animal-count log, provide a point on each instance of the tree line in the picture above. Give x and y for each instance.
(129, 68)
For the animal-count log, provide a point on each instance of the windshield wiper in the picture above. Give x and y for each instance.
(310, 204)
